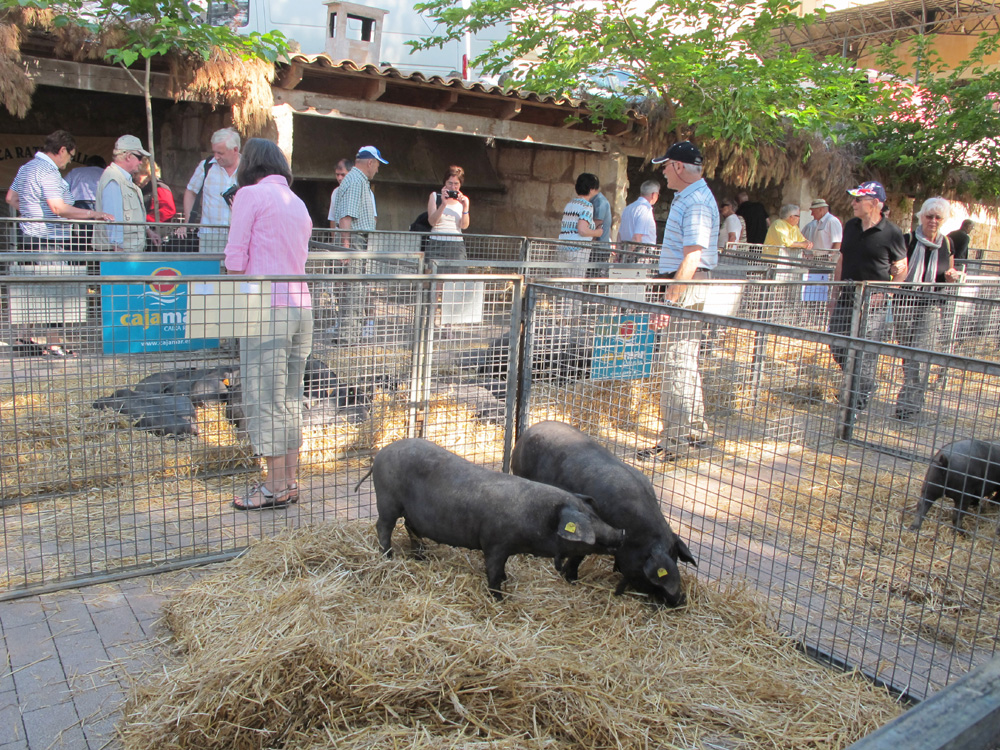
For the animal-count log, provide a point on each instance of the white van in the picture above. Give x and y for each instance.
(307, 22)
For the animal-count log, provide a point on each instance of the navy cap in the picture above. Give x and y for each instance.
(370, 152)
(869, 190)
(684, 152)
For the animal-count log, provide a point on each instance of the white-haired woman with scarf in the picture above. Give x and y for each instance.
(930, 260)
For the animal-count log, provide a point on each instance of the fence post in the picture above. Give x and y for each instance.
(516, 413)
(421, 359)
(519, 377)
(847, 412)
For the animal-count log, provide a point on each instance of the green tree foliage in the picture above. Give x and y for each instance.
(134, 30)
(942, 133)
(717, 68)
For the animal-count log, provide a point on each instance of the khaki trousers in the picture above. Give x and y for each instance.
(272, 367)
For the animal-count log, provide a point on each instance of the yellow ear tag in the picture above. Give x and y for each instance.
(571, 527)
(662, 572)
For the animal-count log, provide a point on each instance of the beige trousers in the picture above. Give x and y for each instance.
(272, 367)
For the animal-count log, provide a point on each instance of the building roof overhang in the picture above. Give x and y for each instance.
(849, 32)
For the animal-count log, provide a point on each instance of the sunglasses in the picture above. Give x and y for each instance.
(934, 217)
(858, 199)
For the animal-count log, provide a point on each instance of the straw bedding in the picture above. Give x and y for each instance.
(313, 640)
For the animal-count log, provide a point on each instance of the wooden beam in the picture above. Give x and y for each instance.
(88, 77)
(374, 89)
(963, 716)
(291, 76)
(448, 100)
(509, 111)
(323, 105)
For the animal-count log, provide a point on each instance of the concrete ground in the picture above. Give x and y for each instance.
(69, 656)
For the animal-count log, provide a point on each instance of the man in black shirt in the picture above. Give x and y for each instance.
(960, 241)
(872, 250)
(756, 218)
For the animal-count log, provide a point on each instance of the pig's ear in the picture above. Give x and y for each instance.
(587, 499)
(660, 568)
(683, 553)
(575, 526)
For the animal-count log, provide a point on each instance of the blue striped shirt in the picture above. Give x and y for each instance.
(693, 220)
(36, 183)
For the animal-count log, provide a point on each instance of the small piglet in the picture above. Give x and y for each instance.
(447, 499)
(561, 455)
(965, 472)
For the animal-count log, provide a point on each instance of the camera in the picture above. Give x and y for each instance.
(229, 195)
(451, 193)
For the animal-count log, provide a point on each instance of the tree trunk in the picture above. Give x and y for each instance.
(152, 153)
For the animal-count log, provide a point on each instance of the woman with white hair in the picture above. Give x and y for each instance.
(930, 260)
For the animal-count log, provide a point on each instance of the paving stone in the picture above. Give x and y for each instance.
(99, 732)
(118, 625)
(54, 727)
(19, 745)
(11, 727)
(71, 619)
(19, 612)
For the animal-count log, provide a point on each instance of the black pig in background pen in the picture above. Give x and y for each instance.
(559, 454)
(965, 472)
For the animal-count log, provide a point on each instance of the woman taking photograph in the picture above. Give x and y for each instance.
(448, 215)
(929, 259)
(269, 235)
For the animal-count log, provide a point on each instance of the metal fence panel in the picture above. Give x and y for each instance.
(96, 481)
(818, 525)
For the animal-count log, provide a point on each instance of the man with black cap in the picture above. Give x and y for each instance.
(354, 210)
(872, 249)
(119, 196)
(689, 252)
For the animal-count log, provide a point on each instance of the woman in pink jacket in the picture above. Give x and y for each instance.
(269, 236)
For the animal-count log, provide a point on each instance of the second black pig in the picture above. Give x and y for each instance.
(561, 455)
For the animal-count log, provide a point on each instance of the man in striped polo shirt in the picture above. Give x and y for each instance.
(40, 192)
(689, 252)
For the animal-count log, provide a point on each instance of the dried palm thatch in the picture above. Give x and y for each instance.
(224, 79)
(314, 640)
(227, 79)
(830, 168)
(16, 87)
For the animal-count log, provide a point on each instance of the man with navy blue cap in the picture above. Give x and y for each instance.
(354, 210)
(872, 249)
(689, 252)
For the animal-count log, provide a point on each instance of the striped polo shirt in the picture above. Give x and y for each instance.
(36, 183)
(693, 220)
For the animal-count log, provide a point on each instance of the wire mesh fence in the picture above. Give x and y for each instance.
(788, 478)
(126, 456)
(752, 474)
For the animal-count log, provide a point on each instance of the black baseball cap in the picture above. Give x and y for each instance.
(684, 152)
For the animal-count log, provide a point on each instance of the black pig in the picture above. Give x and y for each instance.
(445, 498)
(561, 455)
(965, 472)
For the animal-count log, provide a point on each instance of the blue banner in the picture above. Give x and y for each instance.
(150, 317)
(623, 348)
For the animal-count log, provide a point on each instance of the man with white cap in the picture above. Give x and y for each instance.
(689, 251)
(872, 249)
(354, 211)
(354, 204)
(119, 196)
